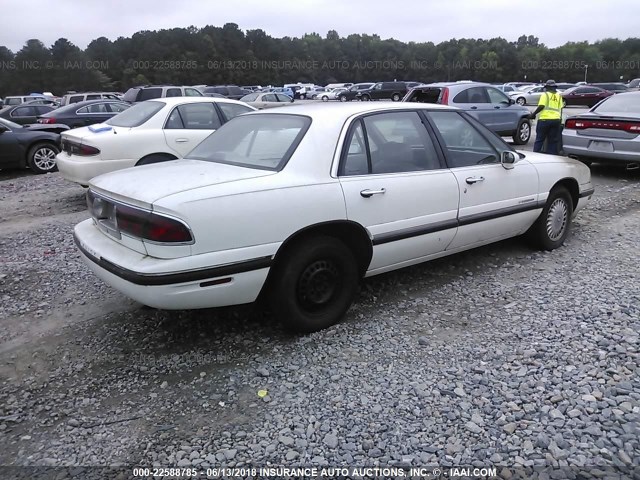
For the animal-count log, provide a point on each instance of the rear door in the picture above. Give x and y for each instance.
(24, 115)
(475, 101)
(396, 186)
(189, 124)
(495, 202)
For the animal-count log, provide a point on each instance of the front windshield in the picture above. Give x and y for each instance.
(621, 103)
(136, 115)
(9, 123)
(263, 141)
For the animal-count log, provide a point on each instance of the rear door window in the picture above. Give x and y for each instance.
(174, 92)
(24, 112)
(194, 116)
(472, 95)
(230, 110)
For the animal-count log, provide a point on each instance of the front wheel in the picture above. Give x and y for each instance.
(552, 226)
(325, 98)
(521, 101)
(523, 133)
(343, 98)
(42, 158)
(365, 98)
(315, 285)
(395, 97)
(314, 97)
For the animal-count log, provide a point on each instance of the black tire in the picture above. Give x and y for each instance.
(314, 285)
(303, 96)
(585, 160)
(553, 225)
(395, 97)
(314, 97)
(523, 133)
(365, 98)
(343, 98)
(155, 158)
(325, 98)
(42, 158)
(521, 101)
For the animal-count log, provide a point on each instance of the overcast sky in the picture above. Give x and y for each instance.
(554, 23)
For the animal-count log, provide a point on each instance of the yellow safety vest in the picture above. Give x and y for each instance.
(552, 102)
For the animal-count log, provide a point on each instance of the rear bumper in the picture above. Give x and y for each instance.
(623, 151)
(173, 284)
(82, 169)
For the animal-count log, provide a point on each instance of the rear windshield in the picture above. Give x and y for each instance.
(264, 141)
(621, 103)
(136, 115)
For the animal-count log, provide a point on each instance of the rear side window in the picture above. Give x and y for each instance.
(192, 92)
(76, 99)
(429, 95)
(397, 142)
(194, 116)
(149, 93)
(465, 146)
(174, 92)
(118, 107)
(231, 110)
(12, 101)
(40, 109)
(94, 97)
(24, 112)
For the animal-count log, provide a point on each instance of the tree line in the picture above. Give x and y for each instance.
(227, 55)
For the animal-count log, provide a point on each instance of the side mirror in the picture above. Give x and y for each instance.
(508, 159)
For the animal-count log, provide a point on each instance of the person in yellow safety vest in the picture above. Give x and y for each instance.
(548, 126)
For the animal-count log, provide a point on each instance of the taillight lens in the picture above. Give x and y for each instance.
(444, 100)
(151, 226)
(47, 120)
(579, 124)
(79, 149)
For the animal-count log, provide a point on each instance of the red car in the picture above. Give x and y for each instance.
(585, 95)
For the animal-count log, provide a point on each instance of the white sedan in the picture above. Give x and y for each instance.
(299, 203)
(149, 132)
(331, 95)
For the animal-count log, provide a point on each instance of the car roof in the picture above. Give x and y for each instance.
(180, 100)
(323, 112)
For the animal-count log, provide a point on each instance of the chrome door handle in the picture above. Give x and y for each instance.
(369, 193)
(471, 180)
(182, 140)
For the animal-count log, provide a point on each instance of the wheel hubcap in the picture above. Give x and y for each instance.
(525, 131)
(557, 219)
(318, 284)
(44, 158)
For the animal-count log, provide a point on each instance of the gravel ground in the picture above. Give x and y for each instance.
(500, 356)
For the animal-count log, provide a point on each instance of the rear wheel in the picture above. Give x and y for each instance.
(366, 98)
(314, 97)
(523, 133)
(343, 98)
(395, 97)
(521, 101)
(325, 98)
(552, 227)
(42, 158)
(314, 285)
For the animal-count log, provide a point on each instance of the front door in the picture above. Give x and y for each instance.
(495, 202)
(397, 187)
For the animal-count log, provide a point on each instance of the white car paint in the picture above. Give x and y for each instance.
(122, 147)
(242, 216)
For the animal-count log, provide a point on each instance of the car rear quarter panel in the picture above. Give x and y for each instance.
(249, 213)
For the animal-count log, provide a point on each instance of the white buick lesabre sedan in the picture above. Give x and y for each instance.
(299, 203)
(148, 132)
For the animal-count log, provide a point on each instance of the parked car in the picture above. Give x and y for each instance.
(252, 88)
(22, 147)
(17, 100)
(520, 84)
(229, 91)
(315, 93)
(267, 100)
(299, 89)
(24, 113)
(149, 132)
(634, 84)
(531, 95)
(615, 87)
(331, 86)
(85, 113)
(191, 233)
(584, 95)
(384, 91)
(609, 132)
(506, 88)
(284, 90)
(484, 102)
(352, 92)
(70, 98)
(332, 95)
(149, 92)
(411, 85)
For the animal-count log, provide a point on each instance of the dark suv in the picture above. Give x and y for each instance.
(230, 91)
(149, 92)
(614, 87)
(482, 101)
(384, 91)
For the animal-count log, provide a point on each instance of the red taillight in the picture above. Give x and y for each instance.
(579, 124)
(150, 226)
(444, 99)
(47, 120)
(88, 150)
